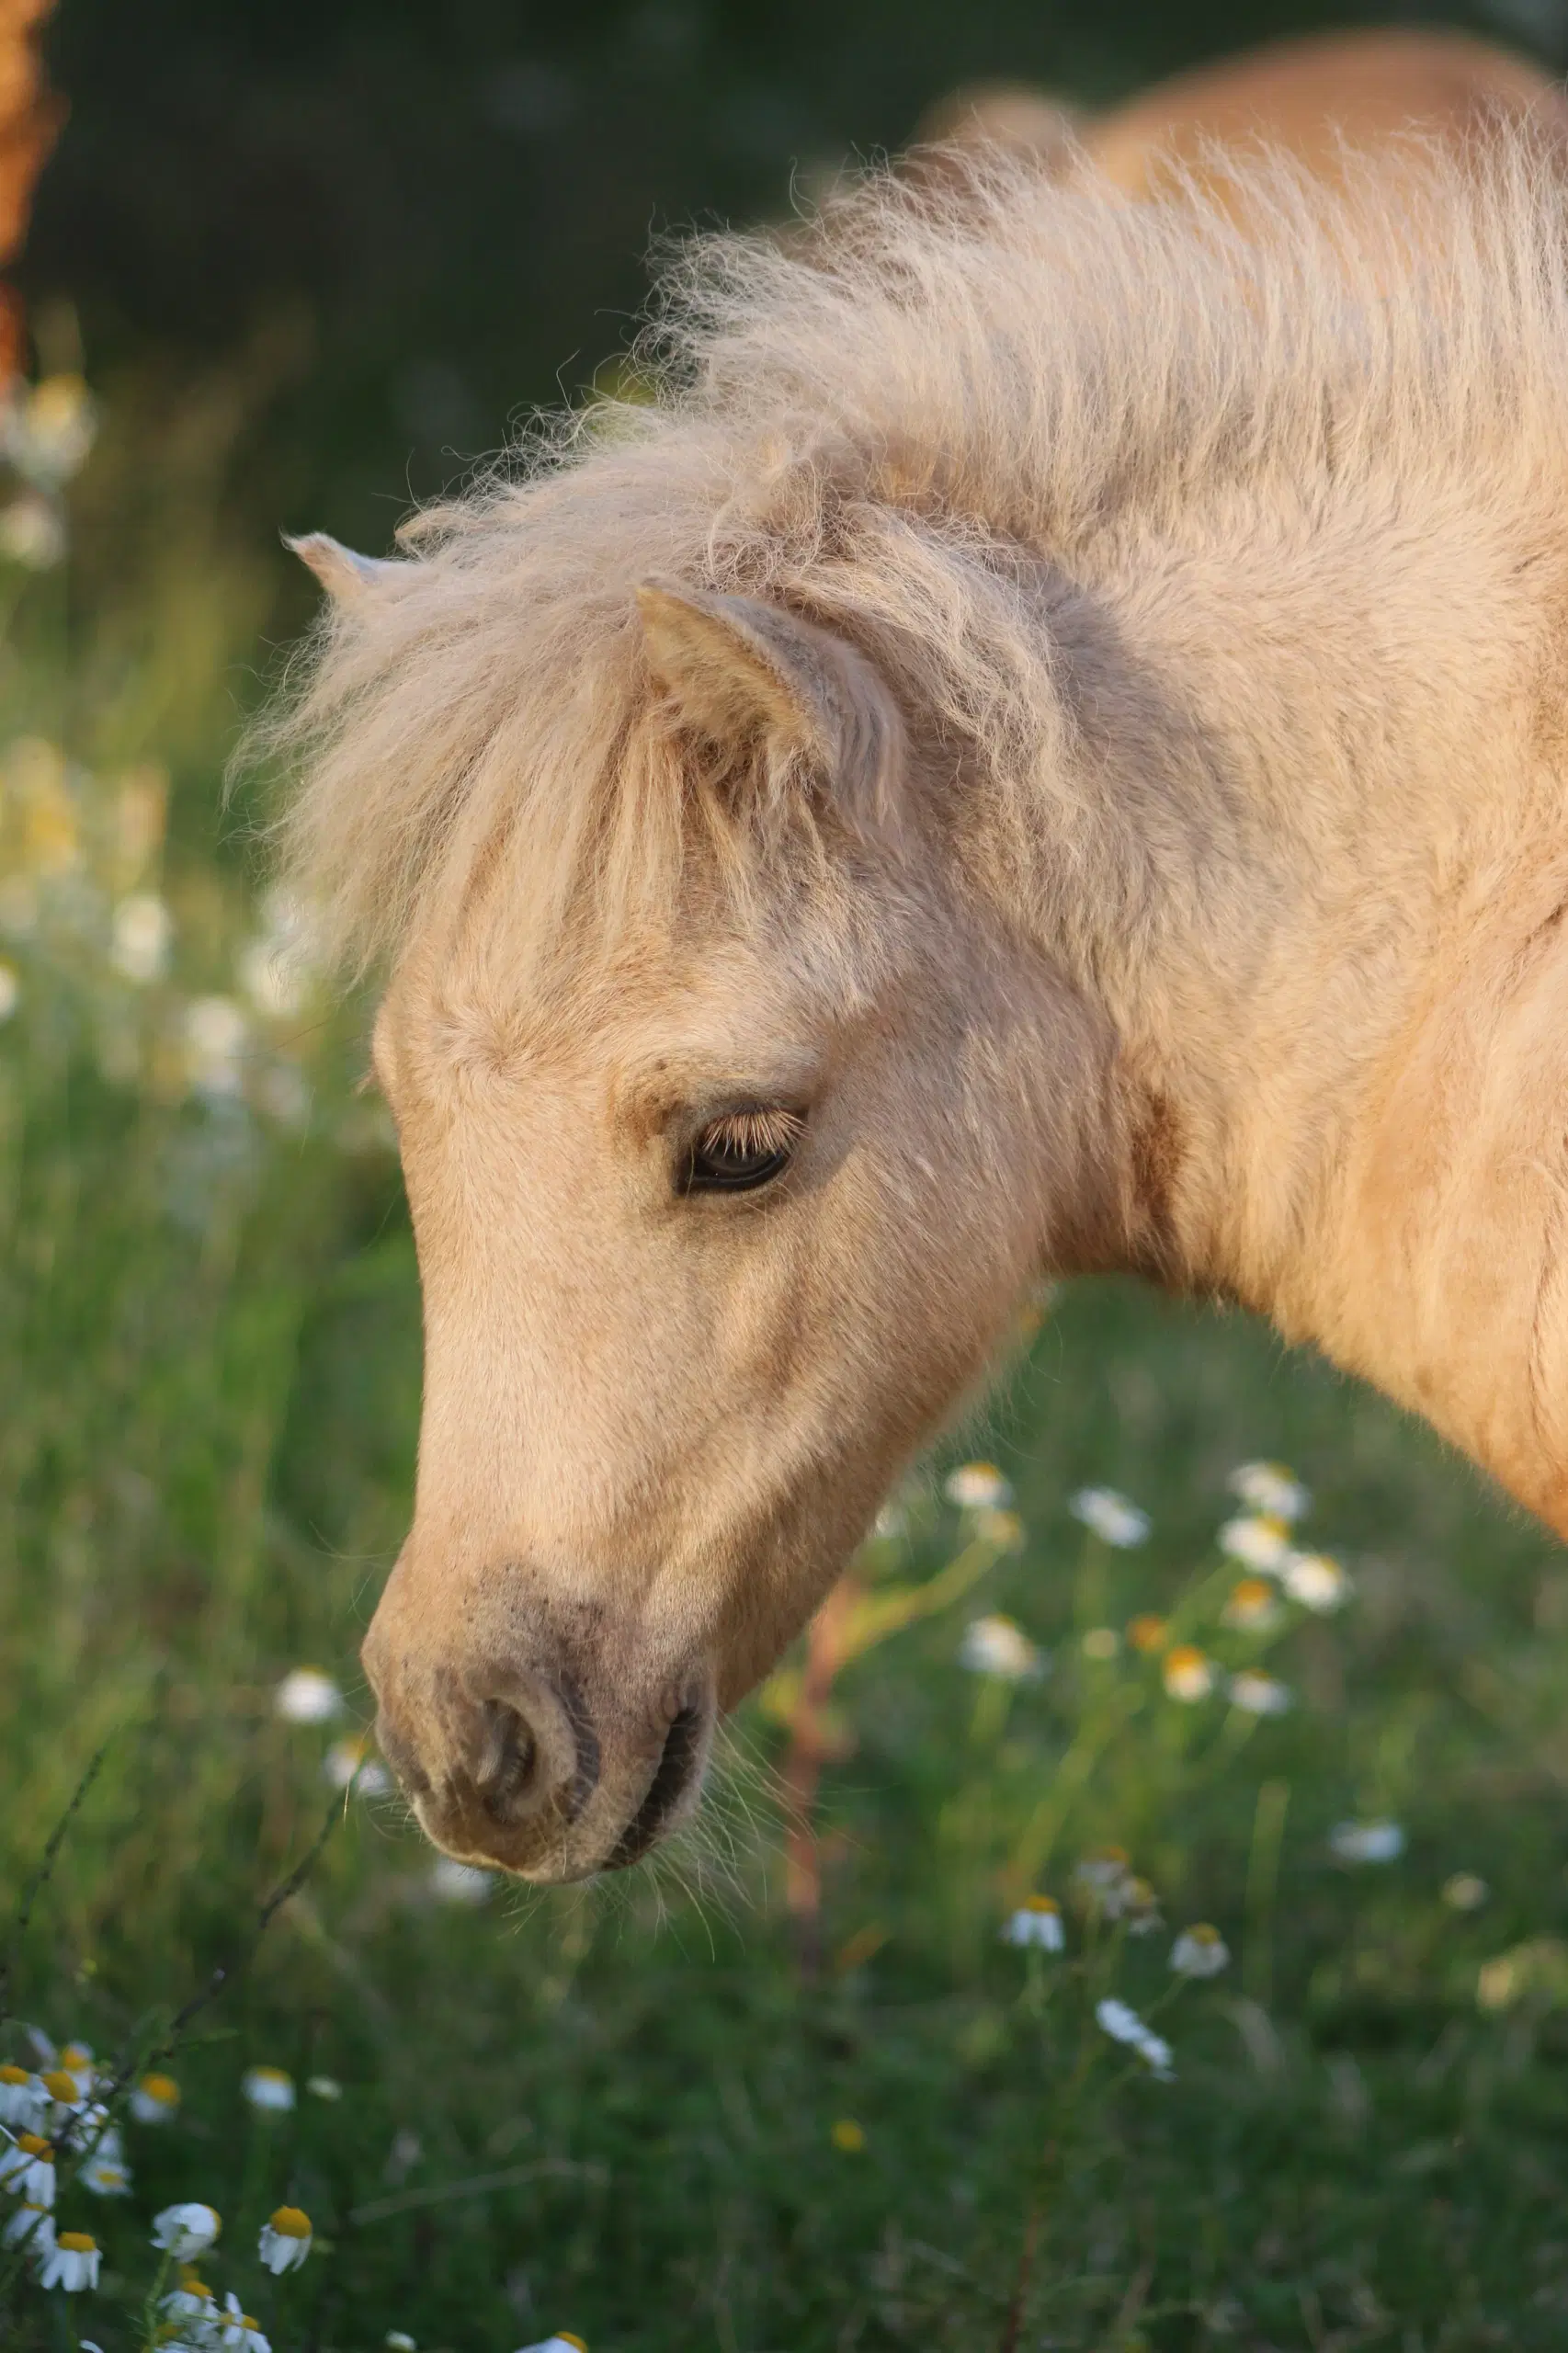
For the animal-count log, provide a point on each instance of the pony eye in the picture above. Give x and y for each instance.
(742, 1151)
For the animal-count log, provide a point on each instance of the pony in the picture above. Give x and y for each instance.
(1036, 744)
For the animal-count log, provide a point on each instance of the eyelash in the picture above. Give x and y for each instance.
(742, 1151)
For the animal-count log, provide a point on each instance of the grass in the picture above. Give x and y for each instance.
(629, 2110)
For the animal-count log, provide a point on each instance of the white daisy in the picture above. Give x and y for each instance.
(33, 2224)
(1036, 1921)
(236, 2332)
(1258, 1694)
(306, 1696)
(1269, 1488)
(1254, 1607)
(456, 1882)
(1200, 1951)
(561, 2342)
(1110, 1516)
(1258, 1539)
(26, 2167)
(1316, 1581)
(285, 2241)
(1122, 2023)
(24, 2103)
(72, 2263)
(1465, 1893)
(106, 2175)
(270, 2088)
(978, 1486)
(996, 1646)
(1366, 1842)
(155, 2099)
(348, 1766)
(186, 2231)
(1187, 1674)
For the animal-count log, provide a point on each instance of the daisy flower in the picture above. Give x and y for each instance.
(1258, 1694)
(348, 1764)
(23, 2100)
(996, 1646)
(1366, 1842)
(1103, 1870)
(1036, 1921)
(72, 2263)
(65, 2092)
(285, 2241)
(1147, 1632)
(456, 1882)
(1258, 1539)
(306, 1696)
(1200, 1951)
(561, 2342)
(77, 2060)
(1269, 1488)
(155, 2099)
(236, 2332)
(1187, 1674)
(1254, 1607)
(1110, 1516)
(323, 2087)
(192, 2301)
(1464, 1892)
(186, 2231)
(271, 2089)
(26, 2168)
(106, 2173)
(397, 2340)
(33, 2224)
(1134, 1900)
(1123, 2025)
(1316, 1581)
(978, 1486)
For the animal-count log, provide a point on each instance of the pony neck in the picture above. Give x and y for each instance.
(1343, 1008)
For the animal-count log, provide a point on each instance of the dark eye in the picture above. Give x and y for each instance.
(740, 1150)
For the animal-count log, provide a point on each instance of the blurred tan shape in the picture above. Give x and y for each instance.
(30, 118)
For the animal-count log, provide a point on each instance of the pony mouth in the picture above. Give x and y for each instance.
(675, 1777)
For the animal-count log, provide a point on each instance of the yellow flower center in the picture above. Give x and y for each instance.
(1147, 1632)
(1185, 1659)
(33, 2145)
(191, 2286)
(76, 2243)
(10, 2074)
(1041, 1904)
(162, 2088)
(75, 2056)
(289, 2223)
(848, 2135)
(567, 2338)
(1252, 1593)
(1203, 1933)
(58, 2085)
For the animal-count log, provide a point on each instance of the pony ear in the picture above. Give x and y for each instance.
(344, 575)
(734, 669)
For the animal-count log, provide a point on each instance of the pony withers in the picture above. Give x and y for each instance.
(1041, 748)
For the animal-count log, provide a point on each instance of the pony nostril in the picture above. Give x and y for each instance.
(509, 1762)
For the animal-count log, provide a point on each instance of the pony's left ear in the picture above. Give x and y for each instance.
(344, 574)
(739, 673)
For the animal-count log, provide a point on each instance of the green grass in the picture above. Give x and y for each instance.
(612, 2109)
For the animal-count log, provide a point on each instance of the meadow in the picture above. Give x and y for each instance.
(818, 2078)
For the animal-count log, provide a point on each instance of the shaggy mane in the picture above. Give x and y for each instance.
(898, 420)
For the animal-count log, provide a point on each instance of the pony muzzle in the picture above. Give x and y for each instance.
(525, 1775)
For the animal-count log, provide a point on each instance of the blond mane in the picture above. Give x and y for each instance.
(904, 420)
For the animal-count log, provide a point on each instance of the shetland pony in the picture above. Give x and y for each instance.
(1041, 746)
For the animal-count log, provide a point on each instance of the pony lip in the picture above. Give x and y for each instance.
(675, 1775)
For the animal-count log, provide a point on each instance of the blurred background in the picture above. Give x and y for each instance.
(298, 267)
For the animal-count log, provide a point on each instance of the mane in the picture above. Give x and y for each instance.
(896, 419)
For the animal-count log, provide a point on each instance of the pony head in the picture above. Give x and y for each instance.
(707, 1092)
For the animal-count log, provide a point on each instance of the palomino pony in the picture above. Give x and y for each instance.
(1043, 747)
